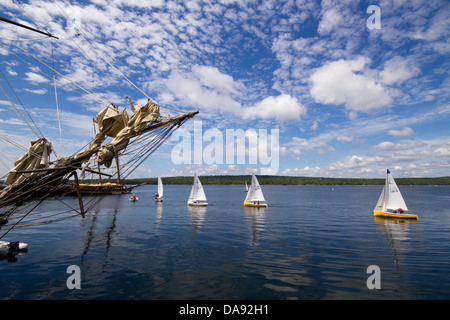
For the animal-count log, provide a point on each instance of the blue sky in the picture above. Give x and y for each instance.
(348, 100)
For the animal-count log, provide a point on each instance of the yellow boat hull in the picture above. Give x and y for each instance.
(382, 214)
(248, 204)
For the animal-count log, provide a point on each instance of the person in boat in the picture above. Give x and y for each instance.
(133, 197)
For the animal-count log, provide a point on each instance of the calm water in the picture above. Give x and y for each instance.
(312, 242)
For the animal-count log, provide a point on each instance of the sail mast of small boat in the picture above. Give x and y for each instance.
(160, 190)
(386, 191)
(255, 197)
(391, 204)
(197, 197)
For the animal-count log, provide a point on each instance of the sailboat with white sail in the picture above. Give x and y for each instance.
(197, 196)
(255, 197)
(246, 187)
(391, 203)
(159, 195)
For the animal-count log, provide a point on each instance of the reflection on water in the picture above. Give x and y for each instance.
(159, 211)
(255, 219)
(394, 229)
(108, 237)
(396, 232)
(197, 215)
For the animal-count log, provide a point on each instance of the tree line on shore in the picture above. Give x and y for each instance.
(290, 180)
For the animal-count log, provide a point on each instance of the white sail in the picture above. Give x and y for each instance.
(381, 203)
(254, 193)
(390, 197)
(197, 193)
(160, 188)
(394, 197)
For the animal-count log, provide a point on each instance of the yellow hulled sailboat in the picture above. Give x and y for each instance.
(255, 197)
(390, 203)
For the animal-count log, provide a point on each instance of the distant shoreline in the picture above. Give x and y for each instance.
(290, 180)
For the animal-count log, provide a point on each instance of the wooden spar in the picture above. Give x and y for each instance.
(80, 200)
(163, 123)
(27, 27)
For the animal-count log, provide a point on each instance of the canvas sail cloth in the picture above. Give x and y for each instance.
(110, 121)
(255, 192)
(121, 128)
(160, 188)
(390, 197)
(36, 158)
(197, 193)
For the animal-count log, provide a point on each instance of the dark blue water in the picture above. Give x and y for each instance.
(312, 242)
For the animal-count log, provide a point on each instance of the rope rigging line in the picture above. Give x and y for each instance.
(52, 180)
(64, 77)
(106, 58)
(17, 110)
(99, 101)
(56, 100)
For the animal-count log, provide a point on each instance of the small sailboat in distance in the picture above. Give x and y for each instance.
(390, 203)
(255, 197)
(197, 196)
(246, 187)
(159, 195)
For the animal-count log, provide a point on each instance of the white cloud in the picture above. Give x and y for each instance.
(35, 78)
(193, 89)
(406, 132)
(341, 82)
(330, 20)
(37, 91)
(397, 70)
(390, 146)
(207, 88)
(282, 107)
(306, 171)
(443, 151)
(212, 78)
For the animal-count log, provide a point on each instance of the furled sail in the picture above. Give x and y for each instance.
(141, 118)
(37, 157)
(110, 122)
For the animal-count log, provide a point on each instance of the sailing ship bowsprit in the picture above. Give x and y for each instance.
(35, 176)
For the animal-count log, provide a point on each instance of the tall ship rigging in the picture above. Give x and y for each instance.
(38, 177)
